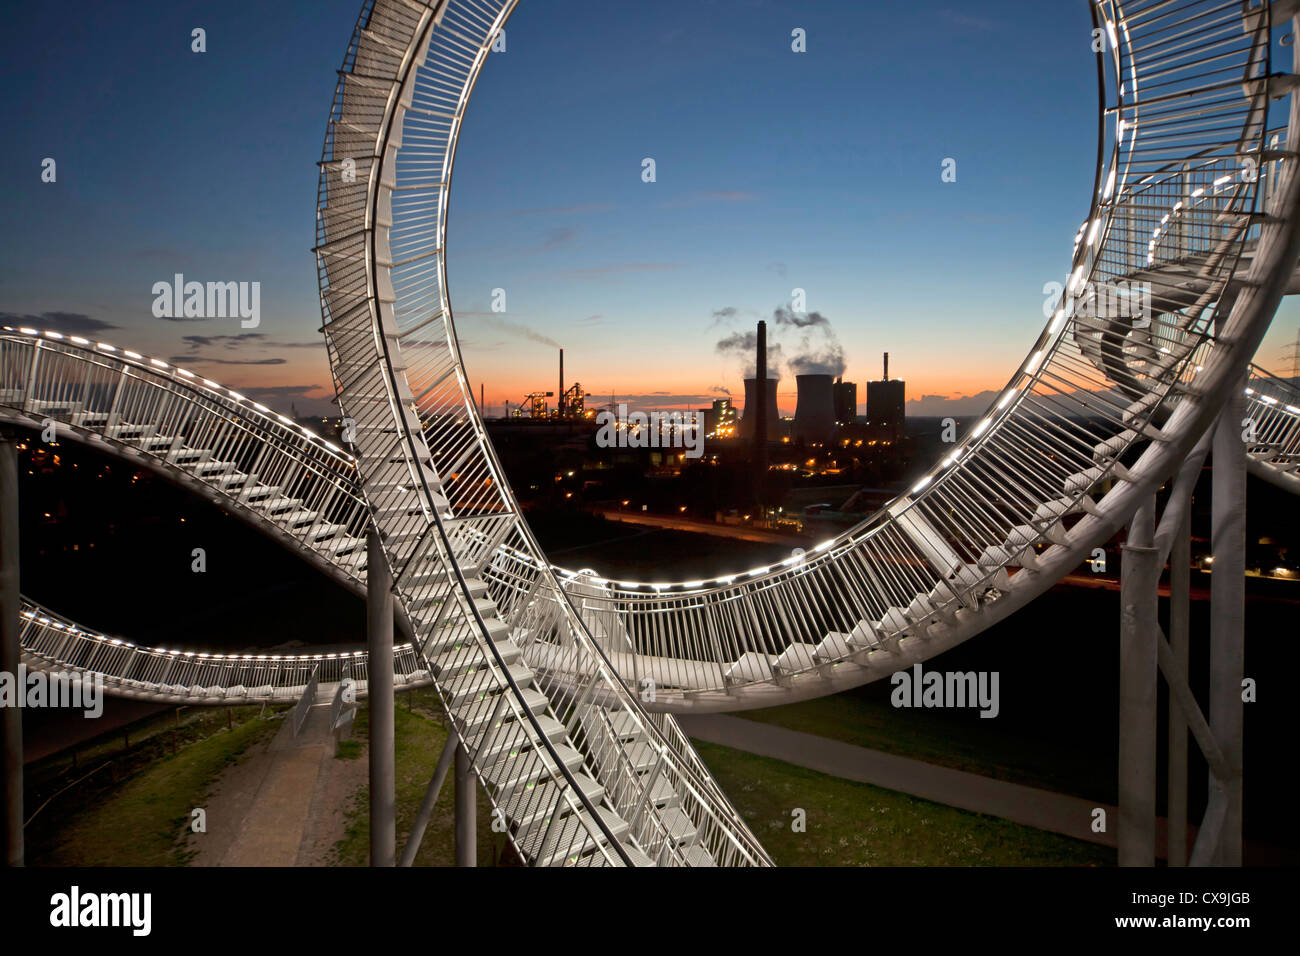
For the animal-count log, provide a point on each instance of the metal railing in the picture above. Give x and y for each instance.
(298, 716)
(197, 676)
(1093, 410)
(439, 500)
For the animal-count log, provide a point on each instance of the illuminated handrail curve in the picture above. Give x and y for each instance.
(1185, 99)
(958, 553)
(412, 65)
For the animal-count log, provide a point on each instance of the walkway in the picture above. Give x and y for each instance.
(267, 814)
(1043, 809)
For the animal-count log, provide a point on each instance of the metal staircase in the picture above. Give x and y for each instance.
(549, 674)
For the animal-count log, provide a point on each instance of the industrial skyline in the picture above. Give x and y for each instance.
(787, 184)
(619, 645)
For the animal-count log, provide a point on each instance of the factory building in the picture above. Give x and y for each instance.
(750, 415)
(886, 405)
(846, 401)
(814, 414)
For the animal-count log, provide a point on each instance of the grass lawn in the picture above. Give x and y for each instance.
(853, 824)
(420, 735)
(140, 818)
(867, 720)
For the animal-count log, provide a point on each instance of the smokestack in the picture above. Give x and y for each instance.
(559, 402)
(749, 415)
(886, 367)
(761, 424)
(481, 406)
(760, 373)
(814, 416)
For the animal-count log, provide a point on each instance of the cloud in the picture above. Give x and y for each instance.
(248, 344)
(799, 320)
(598, 271)
(727, 315)
(73, 323)
(280, 397)
(318, 344)
(210, 360)
(937, 406)
(519, 330)
(743, 346)
(556, 238)
(701, 197)
(196, 342)
(818, 351)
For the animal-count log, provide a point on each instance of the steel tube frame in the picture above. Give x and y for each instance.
(379, 638)
(1138, 674)
(1228, 614)
(10, 653)
(466, 810)
(431, 795)
(1180, 561)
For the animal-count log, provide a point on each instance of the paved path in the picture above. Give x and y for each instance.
(740, 532)
(279, 812)
(1043, 809)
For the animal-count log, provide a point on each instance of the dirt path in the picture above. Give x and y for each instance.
(284, 805)
(339, 782)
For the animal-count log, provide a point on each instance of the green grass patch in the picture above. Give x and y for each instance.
(142, 817)
(349, 750)
(419, 737)
(854, 824)
(855, 718)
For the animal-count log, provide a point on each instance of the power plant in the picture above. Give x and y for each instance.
(749, 417)
(846, 402)
(814, 414)
(826, 410)
(886, 404)
(571, 403)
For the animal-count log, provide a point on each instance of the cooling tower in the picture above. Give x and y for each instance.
(814, 416)
(751, 410)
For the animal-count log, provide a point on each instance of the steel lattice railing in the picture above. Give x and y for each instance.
(1100, 412)
(441, 505)
(55, 642)
(1186, 110)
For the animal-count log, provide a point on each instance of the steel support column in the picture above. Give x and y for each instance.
(1180, 574)
(1138, 674)
(379, 641)
(1228, 612)
(431, 793)
(466, 811)
(10, 653)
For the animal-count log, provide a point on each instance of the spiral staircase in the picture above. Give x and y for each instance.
(551, 676)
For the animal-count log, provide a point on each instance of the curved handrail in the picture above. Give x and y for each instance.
(945, 553)
(1076, 432)
(277, 476)
(405, 63)
(1272, 404)
(195, 677)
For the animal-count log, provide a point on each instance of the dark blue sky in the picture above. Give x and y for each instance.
(775, 170)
